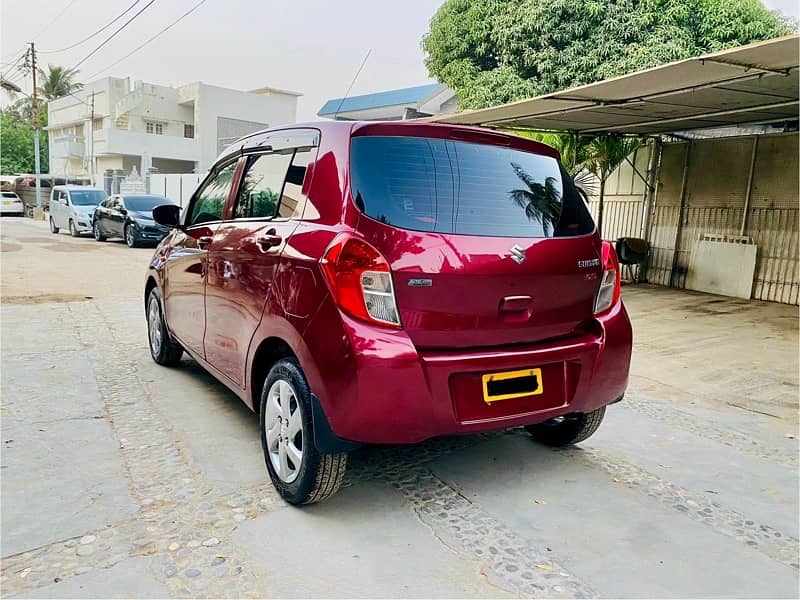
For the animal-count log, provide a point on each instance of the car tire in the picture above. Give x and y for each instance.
(567, 430)
(98, 235)
(162, 347)
(73, 231)
(53, 228)
(130, 236)
(286, 418)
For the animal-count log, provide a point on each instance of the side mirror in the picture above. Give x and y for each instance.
(123, 211)
(632, 251)
(167, 215)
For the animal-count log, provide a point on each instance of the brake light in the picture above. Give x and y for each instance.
(361, 281)
(608, 293)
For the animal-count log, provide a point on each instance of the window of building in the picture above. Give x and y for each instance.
(156, 128)
(262, 184)
(188, 130)
(97, 124)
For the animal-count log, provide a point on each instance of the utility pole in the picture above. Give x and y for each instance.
(36, 161)
(91, 141)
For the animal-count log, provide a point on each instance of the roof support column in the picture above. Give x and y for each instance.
(649, 201)
(749, 191)
(681, 210)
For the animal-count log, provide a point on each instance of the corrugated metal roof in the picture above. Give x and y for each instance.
(388, 98)
(750, 84)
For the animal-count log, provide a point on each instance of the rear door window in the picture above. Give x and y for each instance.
(446, 186)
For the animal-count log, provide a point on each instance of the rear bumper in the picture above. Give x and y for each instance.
(375, 387)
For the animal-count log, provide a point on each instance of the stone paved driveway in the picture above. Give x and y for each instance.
(124, 479)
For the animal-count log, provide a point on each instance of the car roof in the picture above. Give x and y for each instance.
(72, 186)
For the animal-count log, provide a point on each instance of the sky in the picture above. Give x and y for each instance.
(310, 46)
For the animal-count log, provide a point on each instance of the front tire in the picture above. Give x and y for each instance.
(130, 236)
(300, 473)
(53, 228)
(163, 350)
(73, 231)
(567, 430)
(98, 234)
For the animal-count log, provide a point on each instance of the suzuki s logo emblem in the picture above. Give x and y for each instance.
(517, 254)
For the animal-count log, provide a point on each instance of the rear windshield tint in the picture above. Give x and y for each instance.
(445, 186)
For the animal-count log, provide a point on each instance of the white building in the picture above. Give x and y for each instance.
(111, 125)
(393, 105)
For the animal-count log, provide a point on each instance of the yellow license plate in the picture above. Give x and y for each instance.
(512, 384)
(7, 203)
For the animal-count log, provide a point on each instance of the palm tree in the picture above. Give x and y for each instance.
(58, 82)
(541, 202)
(607, 153)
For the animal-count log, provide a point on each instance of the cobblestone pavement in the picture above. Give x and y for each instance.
(121, 478)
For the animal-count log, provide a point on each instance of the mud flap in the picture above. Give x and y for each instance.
(324, 439)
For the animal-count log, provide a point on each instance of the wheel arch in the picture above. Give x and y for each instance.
(269, 351)
(148, 287)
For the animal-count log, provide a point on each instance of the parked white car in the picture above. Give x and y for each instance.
(11, 204)
(72, 207)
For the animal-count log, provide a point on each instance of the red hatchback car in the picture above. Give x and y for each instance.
(371, 283)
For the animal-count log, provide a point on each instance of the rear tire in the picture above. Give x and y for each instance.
(287, 435)
(162, 348)
(130, 236)
(53, 228)
(98, 234)
(567, 430)
(73, 231)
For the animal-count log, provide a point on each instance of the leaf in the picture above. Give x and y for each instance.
(537, 501)
(544, 567)
(619, 480)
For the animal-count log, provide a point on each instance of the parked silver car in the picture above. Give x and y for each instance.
(72, 207)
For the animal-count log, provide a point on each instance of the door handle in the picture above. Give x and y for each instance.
(268, 240)
(204, 241)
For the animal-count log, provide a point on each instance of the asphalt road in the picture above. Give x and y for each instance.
(124, 479)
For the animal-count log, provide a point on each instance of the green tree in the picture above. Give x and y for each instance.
(58, 82)
(607, 152)
(495, 51)
(16, 139)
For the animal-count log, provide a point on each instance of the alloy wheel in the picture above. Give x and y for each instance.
(283, 421)
(97, 235)
(129, 236)
(154, 325)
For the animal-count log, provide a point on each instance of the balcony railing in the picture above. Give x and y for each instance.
(68, 146)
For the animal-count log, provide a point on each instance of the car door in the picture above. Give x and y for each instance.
(187, 259)
(99, 214)
(115, 217)
(57, 209)
(246, 248)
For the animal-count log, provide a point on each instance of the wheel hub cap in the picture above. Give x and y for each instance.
(283, 422)
(154, 326)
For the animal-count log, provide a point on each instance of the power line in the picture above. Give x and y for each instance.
(135, 50)
(14, 64)
(98, 32)
(56, 18)
(109, 38)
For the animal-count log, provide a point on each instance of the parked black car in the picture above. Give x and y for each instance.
(129, 217)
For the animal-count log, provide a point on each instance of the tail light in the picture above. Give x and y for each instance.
(608, 294)
(361, 281)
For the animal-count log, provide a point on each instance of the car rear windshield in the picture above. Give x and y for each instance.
(445, 186)
(87, 197)
(145, 203)
(9, 195)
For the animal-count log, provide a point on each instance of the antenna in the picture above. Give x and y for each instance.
(363, 62)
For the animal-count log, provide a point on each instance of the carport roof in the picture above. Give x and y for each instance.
(750, 84)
